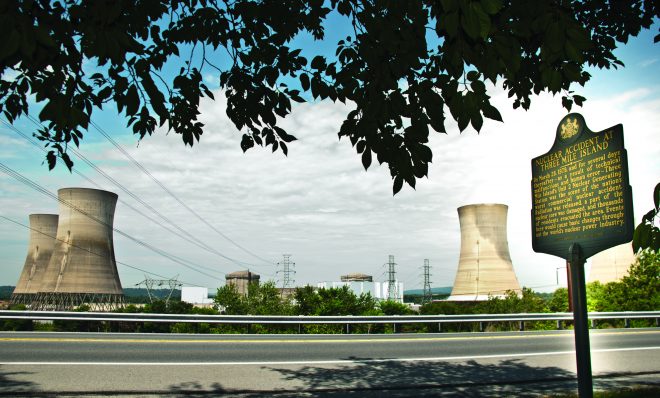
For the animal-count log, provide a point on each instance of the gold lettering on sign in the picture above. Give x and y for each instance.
(579, 189)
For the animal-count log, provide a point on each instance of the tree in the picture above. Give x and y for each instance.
(647, 234)
(230, 301)
(559, 300)
(404, 65)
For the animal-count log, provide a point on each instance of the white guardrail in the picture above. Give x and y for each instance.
(298, 320)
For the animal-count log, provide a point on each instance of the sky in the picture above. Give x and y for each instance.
(319, 205)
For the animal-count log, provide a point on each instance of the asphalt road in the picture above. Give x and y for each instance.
(477, 364)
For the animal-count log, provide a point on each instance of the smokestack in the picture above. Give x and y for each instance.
(43, 228)
(612, 264)
(484, 266)
(82, 268)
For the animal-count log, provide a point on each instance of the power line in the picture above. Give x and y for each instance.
(85, 249)
(164, 188)
(12, 173)
(182, 233)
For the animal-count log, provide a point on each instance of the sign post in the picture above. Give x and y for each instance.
(581, 205)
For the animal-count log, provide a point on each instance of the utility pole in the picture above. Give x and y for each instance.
(150, 283)
(428, 296)
(392, 293)
(287, 270)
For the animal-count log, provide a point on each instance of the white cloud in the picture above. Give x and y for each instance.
(320, 206)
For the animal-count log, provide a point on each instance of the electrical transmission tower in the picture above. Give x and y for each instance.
(392, 293)
(287, 270)
(428, 296)
(150, 283)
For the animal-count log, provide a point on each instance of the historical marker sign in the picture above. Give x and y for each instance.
(580, 191)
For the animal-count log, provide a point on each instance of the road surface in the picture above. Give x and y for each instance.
(473, 364)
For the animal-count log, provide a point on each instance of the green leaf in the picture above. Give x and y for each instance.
(318, 62)
(656, 197)
(132, 100)
(304, 81)
(484, 20)
(450, 23)
(492, 113)
(246, 142)
(470, 22)
(397, 185)
(477, 120)
(366, 159)
(642, 237)
(491, 6)
(449, 5)
(52, 160)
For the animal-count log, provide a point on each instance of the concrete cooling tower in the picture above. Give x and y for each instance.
(484, 266)
(612, 264)
(82, 268)
(43, 228)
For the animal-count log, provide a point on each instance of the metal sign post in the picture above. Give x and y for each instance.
(580, 325)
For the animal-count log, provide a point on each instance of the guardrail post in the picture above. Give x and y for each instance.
(559, 324)
(299, 329)
(482, 326)
(394, 327)
(626, 322)
(657, 322)
(248, 328)
(593, 323)
(348, 328)
(440, 325)
(522, 326)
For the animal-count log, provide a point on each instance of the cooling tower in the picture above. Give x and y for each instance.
(484, 266)
(82, 268)
(612, 264)
(43, 228)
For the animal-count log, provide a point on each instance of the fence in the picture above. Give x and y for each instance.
(347, 320)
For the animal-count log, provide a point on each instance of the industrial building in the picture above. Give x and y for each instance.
(242, 279)
(484, 267)
(378, 290)
(611, 265)
(82, 267)
(43, 228)
(198, 296)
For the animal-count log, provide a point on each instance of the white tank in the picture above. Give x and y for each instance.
(43, 228)
(484, 266)
(612, 264)
(82, 268)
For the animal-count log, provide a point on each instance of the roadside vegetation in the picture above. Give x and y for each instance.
(639, 291)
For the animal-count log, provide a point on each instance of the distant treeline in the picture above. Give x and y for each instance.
(639, 291)
(5, 292)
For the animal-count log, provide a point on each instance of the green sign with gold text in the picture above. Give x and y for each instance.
(580, 191)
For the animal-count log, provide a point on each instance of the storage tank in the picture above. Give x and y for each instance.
(43, 228)
(484, 266)
(357, 277)
(612, 264)
(82, 268)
